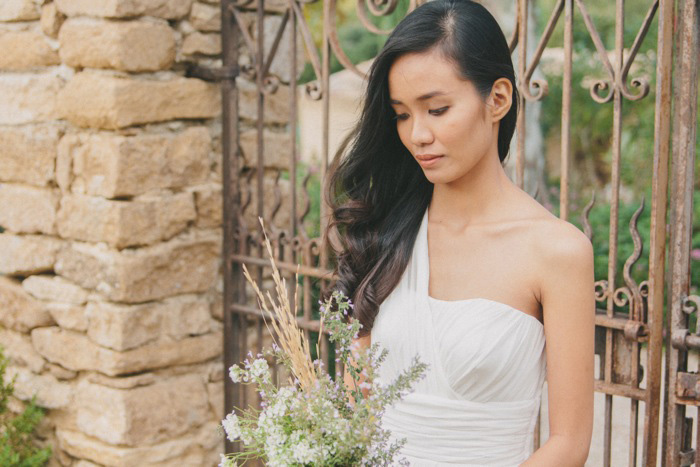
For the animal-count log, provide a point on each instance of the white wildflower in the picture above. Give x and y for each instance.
(259, 368)
(231, 426)
(227, 462)
(303, 453)
(235, 373)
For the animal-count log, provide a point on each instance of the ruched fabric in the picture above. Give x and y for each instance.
(479, 401)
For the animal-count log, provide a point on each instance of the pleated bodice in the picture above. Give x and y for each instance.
(479, 401)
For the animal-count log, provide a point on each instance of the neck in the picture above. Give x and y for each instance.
(480, 196)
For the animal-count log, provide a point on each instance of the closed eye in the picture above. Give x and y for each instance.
(439, 111)
(400, 116)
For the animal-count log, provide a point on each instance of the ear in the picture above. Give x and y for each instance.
(500, 99)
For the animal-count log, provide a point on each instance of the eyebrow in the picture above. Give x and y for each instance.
(421, 98)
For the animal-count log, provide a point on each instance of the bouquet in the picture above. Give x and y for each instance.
(315, 420)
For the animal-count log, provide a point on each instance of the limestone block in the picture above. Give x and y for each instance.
(277, 148)
(27, 254)
(199, 43)
(169, 452)
(123, 327)
(125, 382)
(19, 350)
(50, 393)
(51, 20)
(209, 205)
(121, 45)
(276, 106)
(182, 265)
(124, 223)
(67, 145)
(167, 9)
(18, 310)
(119, 416)
(75, 351)
(26, 209)
(68, 316)
(18, 10)
(112, 166)
(56, 289)
(98, 101)
(273, 195)
(185, 316)
(206, 17)
(215, 392)
(61, 373)
(28, 154)
(25, 50)
(28, 98)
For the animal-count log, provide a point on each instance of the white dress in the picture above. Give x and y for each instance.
(479, 400)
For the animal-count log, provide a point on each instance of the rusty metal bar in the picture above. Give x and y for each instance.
(566, 110)
(284, 266)
(231, 204)
(325, 87)
(657, 242)
(624, 390)
(257, 313)
(684, 134)
(522, 71)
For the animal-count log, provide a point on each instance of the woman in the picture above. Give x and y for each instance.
(444, 257)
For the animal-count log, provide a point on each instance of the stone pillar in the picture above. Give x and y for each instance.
(110, 227)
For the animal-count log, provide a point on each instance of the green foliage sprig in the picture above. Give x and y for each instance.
(17, 440)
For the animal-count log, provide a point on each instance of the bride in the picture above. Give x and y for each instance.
(444, 257)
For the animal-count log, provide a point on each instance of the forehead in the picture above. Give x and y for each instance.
(416, 74)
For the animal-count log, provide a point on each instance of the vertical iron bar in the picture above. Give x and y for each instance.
(293, 128)
(634, 406)
(614, 208)
(260, 174)
(685, 128)
(231, 205)
(522, 70)
(325, 89)
(566, 110)
(657, 241)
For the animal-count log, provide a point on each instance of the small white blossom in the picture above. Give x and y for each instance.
(235, 373)
(231, 426)
(227, 462)
(259, 368)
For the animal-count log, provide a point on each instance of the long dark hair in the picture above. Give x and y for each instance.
(377, 192)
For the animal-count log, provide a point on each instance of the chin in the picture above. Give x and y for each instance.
(437, 178)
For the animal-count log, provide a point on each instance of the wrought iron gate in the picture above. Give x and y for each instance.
(630, 328)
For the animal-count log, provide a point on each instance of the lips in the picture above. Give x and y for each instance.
(428, 160)
(427, 157)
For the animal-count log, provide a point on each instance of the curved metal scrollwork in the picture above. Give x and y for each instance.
(632, 286)
(587, 229)
(601, 290)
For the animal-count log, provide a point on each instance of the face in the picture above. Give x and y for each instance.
(446, 125)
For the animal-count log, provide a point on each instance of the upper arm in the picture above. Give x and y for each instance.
(568, 304)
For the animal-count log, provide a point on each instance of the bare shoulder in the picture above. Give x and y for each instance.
(559, 240)
(565, 257)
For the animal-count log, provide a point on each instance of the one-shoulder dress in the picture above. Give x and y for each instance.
(478, 403)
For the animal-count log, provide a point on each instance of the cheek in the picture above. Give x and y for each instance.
(465, 128)
(404, 132)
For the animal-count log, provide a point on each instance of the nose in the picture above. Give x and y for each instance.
(421, 134)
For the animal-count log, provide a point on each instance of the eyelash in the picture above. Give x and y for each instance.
(435, 112)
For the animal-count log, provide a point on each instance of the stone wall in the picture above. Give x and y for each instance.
(110, 213)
